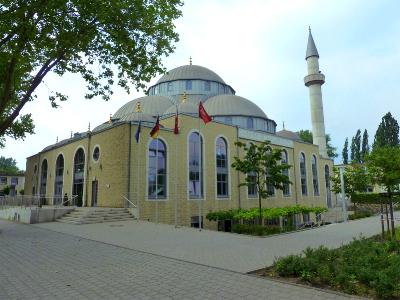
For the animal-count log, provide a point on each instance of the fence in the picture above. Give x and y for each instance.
(35, 201)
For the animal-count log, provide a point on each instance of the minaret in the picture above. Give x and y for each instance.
(313, 81)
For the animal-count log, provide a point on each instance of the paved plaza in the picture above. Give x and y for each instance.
(36, 263)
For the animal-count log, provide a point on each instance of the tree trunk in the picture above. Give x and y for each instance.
(259, 208)
(387, 218)
(382, 222)
(392, 219)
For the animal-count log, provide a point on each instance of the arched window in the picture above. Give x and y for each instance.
(250, 123)
(58, 180)
(303, 174)
(314, 169)
(195, 165)
(328, 187)
(285, 160)
(79, 176)
(157, 172)
(43, 179)
(222, 167)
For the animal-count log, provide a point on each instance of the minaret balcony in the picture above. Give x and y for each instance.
(314, 79)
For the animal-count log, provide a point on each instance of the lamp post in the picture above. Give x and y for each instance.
(341, 170)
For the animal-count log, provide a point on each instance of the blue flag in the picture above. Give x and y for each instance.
(137, 135)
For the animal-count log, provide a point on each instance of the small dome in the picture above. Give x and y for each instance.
(150, 105)
(289, 135)
(186, 108)
(190, 72)
(232, 105)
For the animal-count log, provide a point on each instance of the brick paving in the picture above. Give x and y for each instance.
(36, 263)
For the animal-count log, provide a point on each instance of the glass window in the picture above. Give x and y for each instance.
(170, 87)
(194, 222)
(228, 120)
(96, 153)
(270, 186)
(286, 187)
(221, 89)
(303, 174)
(3, 180)
(14, 181)
(58, 183)
(43, 178)
(188, 85)
(195, 165)
(207, 86)
(222, 168)
(250, 123)
(314, 170)
(328, 187)
(157, 172)
(252, 187)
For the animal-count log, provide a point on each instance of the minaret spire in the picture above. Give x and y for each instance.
(314, 80)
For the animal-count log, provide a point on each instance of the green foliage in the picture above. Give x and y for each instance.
(387, 134)
(345, 152)
(371, 198)
(355, 155)
(9, 166)
(362, 266)
(254, 229)
(360, 215)
(364, 146)
(356, 179)
(253, 213)
(265, 163)
(6, 190)
(21, 191)
(106, 42)
(306, 136)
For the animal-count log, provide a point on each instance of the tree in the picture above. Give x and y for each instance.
(384, 165)
(265, 163)
(345, 152)
(9, 166)
(364, 146)
(356, 179)
(307, 136)
(106, 42)
(387, 133)
(356, 147)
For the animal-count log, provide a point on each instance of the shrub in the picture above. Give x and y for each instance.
(6, 190)
(361, 214)
(254, 229)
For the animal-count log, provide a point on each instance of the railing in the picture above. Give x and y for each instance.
(34, 201)
(128, 201)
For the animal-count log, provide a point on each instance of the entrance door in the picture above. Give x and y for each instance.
(95, 185)
(78, 192)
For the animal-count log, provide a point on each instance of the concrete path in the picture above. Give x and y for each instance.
(42, 264)
(218, 249)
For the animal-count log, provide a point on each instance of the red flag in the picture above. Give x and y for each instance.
(176, 128)
(156, 129)
(203, 114)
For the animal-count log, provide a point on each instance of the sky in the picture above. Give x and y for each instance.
(258, 47)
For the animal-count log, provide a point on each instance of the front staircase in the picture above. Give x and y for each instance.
(91, 215)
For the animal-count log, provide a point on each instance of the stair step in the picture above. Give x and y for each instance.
(96, 215)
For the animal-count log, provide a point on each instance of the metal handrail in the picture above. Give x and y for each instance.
(72, 200)
(134, 205)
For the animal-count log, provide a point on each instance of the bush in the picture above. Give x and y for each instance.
(21, 192)
(360, 215)
(362, 267)
(6, 190)
(254, 229)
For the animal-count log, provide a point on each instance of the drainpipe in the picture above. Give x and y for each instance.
(87, 170)
(238, 173)
(295, 177)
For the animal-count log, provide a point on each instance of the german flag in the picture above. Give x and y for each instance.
(156, 129)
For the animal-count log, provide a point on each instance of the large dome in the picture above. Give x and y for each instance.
(150, 105)
(232, 105)
(192, 72)
(186, 108)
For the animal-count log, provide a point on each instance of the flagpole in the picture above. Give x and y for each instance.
(176, 178)
(138, 167)
(200, 165)
(157, 179)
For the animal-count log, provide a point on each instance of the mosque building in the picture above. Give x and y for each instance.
(177, 177)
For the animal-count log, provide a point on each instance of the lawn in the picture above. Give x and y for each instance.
(365, 267)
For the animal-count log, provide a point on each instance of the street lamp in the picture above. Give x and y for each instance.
(341, 170)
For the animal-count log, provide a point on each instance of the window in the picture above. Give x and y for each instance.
(207, 86)
(222, 168)
(250, 123)
(306, 217)
(188, 85)
(252, 187)
(195, 165)
(170, 87)
(286, 187)
(58, 182)
(3, 180)
(228, 120)
(78, 176)
(221, 89)
(272, 221)
(303, 174)
(157, 172)
(43, 178)
(315, 175)
(270, 186)
(194, 222)
(328, 187)
(96, 153)
(14, 181)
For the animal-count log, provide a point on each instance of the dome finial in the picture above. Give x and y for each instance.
(57, 140)
(184, 97)
(311, 48)
(309, 28)
(138, 107)
(283, 125)
(110, 120)
(190, 60)
(88, 127)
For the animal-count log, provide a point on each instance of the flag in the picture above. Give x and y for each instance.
(203, 114)
(137, 135)
(176, 128)
(156, 129)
